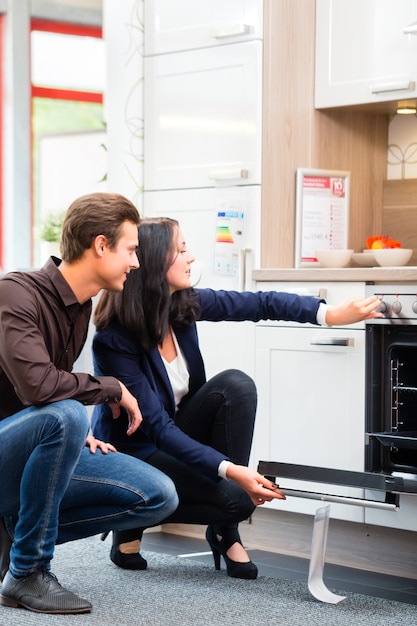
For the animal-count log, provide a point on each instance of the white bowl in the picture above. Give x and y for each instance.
(366, 259)
(392, 257)
(333, 258)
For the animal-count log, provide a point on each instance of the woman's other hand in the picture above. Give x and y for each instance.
(259, 488)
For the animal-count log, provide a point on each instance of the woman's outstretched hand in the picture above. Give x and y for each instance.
(259, 488)
(353, 310)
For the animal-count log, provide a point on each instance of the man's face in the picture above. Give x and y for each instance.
(118, 262)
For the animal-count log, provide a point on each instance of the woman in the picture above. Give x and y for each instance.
(198, 432)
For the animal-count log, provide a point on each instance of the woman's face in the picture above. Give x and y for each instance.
(179, 274)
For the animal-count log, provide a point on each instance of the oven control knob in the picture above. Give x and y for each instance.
(396, 307)
(414, 307)
(383, 307)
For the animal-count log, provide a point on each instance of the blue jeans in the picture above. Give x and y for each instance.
(55, 490)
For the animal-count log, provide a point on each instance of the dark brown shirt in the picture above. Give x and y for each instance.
(43, 329)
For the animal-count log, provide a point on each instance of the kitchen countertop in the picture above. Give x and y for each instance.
(349, 274)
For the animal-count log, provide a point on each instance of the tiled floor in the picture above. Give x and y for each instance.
(336, 578)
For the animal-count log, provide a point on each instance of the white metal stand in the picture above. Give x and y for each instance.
(318, 549)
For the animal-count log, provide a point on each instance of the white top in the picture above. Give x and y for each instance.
(178, 374)
(321, 314)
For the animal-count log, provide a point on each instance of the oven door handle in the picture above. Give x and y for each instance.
(326, 497)
(332, 341)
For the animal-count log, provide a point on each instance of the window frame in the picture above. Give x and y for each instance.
(65, 28)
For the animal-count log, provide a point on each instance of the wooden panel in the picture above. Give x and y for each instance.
(296, 135)
(399, 213)
(400, 193)
(288, 103)
(354, 274)
(357, 142)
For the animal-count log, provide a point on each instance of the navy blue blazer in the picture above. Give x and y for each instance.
(116, 353)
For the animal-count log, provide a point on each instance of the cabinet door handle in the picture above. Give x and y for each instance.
(230, 30)
(410, 29)
(244, 258)
(331, 341)
(228, 174)
(406, 85)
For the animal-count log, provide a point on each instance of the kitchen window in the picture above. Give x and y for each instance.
(68, 130)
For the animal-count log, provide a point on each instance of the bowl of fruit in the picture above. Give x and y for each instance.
(388, 252)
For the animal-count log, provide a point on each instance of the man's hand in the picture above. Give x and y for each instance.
(130, 404)
(94, 443)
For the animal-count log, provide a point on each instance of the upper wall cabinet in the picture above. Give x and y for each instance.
(203, 113)
(172, 26)
(366, 51)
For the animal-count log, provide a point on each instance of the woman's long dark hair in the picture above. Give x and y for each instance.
(145, 307)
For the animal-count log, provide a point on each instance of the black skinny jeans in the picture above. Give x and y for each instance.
(222, 415)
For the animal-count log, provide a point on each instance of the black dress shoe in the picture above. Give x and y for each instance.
(42, 593)
(128, 561)
(5, 545)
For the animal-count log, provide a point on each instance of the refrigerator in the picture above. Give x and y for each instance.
(202, 148)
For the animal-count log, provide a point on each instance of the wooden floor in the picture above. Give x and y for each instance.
(361, 546)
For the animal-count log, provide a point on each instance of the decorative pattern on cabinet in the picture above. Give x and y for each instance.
(402, 147)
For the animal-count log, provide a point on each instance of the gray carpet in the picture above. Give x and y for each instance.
(182, 592)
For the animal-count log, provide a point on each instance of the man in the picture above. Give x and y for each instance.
(59, 484)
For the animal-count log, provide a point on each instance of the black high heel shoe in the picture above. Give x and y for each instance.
(134, 561)
(219, 547)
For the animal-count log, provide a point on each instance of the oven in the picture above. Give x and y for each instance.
(391, 384)
(390, 420)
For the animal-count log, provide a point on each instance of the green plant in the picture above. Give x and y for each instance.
(52, 226)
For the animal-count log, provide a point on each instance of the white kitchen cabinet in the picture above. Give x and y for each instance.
(203, 117)
(366, 51)
(190, 24)
(310, 382)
